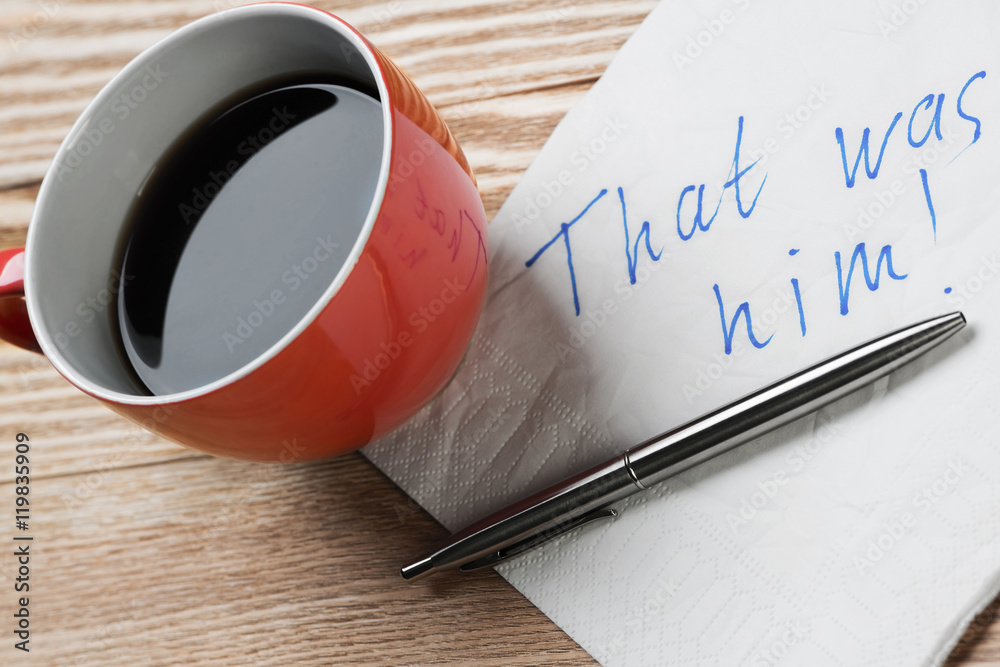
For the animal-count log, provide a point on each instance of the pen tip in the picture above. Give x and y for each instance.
(416, 569)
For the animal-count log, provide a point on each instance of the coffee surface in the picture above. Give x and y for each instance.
(241, 228)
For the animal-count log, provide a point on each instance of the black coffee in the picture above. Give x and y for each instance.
(241, 228)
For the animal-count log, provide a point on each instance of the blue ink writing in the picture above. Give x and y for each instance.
(935, 123)
(930, 204)
(961, 112)
(698, 213)
(735, 180)
(849, 176)
(564, 233)
(632, 254)
(798, 296)
(859, 251)
(734, 176)
(798, 301)
(730, 331)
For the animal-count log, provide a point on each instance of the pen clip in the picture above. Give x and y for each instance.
(537, 539)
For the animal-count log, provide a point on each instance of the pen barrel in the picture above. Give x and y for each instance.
(586, 497)
(784, 401)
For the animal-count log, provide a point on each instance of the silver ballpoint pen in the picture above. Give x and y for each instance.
(587, 496)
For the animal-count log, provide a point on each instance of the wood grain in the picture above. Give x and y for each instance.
(146, 553)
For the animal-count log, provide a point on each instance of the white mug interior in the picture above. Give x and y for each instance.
(75, 232)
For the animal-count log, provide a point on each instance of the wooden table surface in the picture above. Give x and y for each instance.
(145, 553)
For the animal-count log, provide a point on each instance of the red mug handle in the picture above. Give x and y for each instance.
(14, 325)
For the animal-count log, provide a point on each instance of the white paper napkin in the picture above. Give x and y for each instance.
(868, 533)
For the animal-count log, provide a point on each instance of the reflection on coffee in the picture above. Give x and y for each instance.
(241, 228)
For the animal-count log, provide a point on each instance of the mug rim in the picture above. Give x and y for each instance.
(107, 92)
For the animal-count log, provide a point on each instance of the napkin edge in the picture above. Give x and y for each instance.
(951, 636)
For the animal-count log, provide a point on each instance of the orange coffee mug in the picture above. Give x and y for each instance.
(381, 340)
